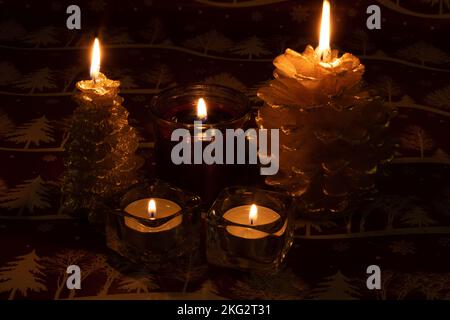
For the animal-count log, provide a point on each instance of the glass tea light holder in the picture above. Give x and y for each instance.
(215, 107)
(154, 224)
(249, 229)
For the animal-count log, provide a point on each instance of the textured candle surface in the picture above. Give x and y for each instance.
(101, 159)
(333, 131)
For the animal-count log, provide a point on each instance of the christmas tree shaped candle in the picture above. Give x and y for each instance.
(101, 158)
(332, 130)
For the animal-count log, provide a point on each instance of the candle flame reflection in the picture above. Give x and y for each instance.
(253, 214)
(95, 61)
(201, 109)
(151, 208)
(323, 50)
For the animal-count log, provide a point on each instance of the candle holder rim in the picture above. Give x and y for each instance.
(288, 207)
(232, 91)
(147, 222)
(193, 202)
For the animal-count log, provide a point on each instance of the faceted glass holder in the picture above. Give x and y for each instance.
(152, 243)
(236, 241)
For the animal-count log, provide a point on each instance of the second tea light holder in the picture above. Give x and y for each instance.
(154, 224)
(249, 229)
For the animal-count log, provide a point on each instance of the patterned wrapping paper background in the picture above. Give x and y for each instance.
(150, 45)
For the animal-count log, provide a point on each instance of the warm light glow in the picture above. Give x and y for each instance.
(323, 50)
(253, 214)
(201, 109)
(151, 208)
(95, 61)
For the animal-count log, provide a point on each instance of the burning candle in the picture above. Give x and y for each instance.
(249, 228)
(99, 89)
(250, 216)
(153, 209)
(154, 224)
(310, 78)
(200, 109)
(196, 109)
(333, 129)
(100, 159)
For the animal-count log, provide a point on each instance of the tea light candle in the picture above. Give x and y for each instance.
(251, 215)
(153, 209)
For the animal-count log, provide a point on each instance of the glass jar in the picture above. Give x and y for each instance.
(153, 234)
(249, 228)
(174, 109)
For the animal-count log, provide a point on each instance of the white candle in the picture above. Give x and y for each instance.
(252, 216)
(153, 209)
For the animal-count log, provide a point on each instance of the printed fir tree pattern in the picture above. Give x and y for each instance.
(37, 80)
(112, 275)
(69, 75)
(336, 287)
(209, 41)
(440, 98)
(251, 47)
(8, 73)
(3, 187)
(417, 217)
(439, 3)
(388, 88)
(360, 41)
(424, 53)
(22, 276)
(282, 286)
(417, 139)
(227, 80)
(159, 76)
(11, 30)
(300, 13)
(57, 265)
(34, 132)
(139, 282)
(6, 124)
(31, 194)
(42, 37)
(154, 32)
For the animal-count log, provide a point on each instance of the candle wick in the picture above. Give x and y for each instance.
(251, 221)
(324, 55)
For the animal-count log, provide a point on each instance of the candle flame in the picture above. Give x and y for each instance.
(323, 50)
(151, 208)
(95, 61)
(253, 214)
(201, 109)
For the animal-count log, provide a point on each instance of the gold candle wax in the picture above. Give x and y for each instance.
(251, 216)
(333, 131)
(101, 158)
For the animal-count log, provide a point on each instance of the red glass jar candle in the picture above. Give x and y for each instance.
(176, 108)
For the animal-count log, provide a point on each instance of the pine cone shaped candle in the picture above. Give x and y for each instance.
(100, 155)
(332, 131)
